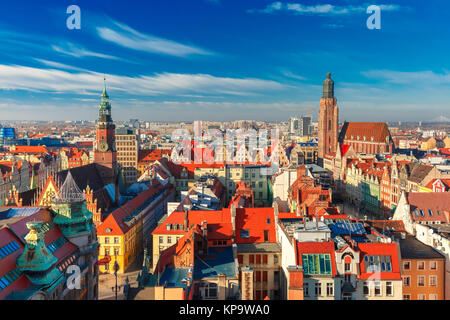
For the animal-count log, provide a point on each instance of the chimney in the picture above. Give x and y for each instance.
(233, 219)
(222, 286)
(276, 213)
(205, 228)
(186, 221)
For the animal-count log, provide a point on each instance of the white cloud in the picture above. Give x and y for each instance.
(426, 78)
(74, 51)
(88, 82)
(292, 75)
(127, 37)
(319, 9)
(58, 65)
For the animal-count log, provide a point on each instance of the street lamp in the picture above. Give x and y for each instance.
(116, 268)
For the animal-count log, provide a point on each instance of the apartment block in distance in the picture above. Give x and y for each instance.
(127, 146)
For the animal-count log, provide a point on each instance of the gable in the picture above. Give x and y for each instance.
(49, 191)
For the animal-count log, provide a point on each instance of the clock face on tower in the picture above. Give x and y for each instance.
(103, 146)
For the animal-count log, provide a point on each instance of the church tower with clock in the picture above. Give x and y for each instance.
(105, 154)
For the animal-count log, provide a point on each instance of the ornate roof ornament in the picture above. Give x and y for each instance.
(69, 191)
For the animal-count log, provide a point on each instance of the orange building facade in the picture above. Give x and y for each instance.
(423, 271)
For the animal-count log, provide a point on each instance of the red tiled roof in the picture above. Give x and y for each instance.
(30, 149)
(378, 130)
(288, 215)
(255, 220)
(336, 216)
(316, 248)
(380, 249)
(114, 221)
(425, 201)
(446, 183)
(344, 149)
(396, 225)
(219, 223)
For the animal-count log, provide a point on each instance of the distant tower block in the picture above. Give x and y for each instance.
(328, 120)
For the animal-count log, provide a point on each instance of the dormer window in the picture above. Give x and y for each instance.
(245, 233)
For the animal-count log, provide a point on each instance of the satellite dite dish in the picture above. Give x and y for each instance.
(430, 231)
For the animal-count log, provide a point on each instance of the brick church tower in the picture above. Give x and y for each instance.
(105, 153)
(328, 120)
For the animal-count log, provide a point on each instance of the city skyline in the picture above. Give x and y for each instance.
(162, 67)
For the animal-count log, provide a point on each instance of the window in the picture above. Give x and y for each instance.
(348, 267)
(421, 265)
(406, 297)
(116, 252)
(433, 296)
(318, 289)
(251, 259)
(258, 259)
(433, 265)
(106, 252)
(264, 258)
(240, 258)
(377, 264)
(161, 240)
(116, 240)
(266, 235)
(258, 276)
(245, 233)
(265, 274)
(306, 289)
(330, 289)
(377, 288)
(433, 281)
(316, 263)
(107, 266)
(169, 240)
(106, 239)
(275, 259)
(406, 281)
(210, 290)
(421, 297)
(421, 281)
(406, 265)
(389, 289)
(346, 296)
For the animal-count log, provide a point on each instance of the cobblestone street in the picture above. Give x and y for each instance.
(107, 281)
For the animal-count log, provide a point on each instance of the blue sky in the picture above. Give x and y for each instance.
(172, 60)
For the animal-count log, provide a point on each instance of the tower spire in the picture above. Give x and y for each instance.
(328, 87)
(104, 94)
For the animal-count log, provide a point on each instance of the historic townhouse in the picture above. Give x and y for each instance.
(423, 271)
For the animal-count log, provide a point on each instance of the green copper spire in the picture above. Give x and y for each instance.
(36, 261)
(104, 94)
